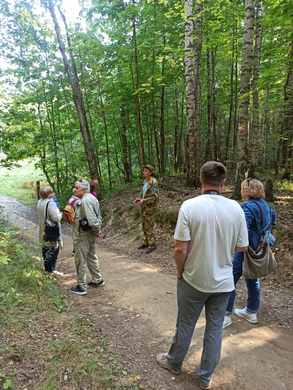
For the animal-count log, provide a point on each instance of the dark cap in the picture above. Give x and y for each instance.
(151, 168)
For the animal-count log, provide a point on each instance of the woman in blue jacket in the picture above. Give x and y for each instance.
(252, 191)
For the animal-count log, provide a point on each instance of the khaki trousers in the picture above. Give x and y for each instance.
(85, 257)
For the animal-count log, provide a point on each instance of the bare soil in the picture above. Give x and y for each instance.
(136, 310)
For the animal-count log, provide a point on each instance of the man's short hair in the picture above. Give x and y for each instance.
(212, 173)
(84, 184)
(45, 192)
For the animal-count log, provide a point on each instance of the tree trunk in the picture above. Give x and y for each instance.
(255, 115)
(137, 94)
(288, 113)
(162, 119)
(231, 102)
(209, 142)
(124, 146)
(77, 97)
(192, 86)
(235, 97)
(215, 136)
(246, 71)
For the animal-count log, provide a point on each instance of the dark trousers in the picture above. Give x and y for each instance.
(50, 255)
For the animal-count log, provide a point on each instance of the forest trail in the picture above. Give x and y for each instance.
(136, 314)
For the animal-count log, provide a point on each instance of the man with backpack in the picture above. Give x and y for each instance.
(69, 213)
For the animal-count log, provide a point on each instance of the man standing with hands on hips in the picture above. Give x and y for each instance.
(87, 210)
(210, 228)
(149, 202)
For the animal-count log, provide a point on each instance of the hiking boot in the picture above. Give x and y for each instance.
(78, 290)
(142, 246)
(244, 313)
(162, 361)
(149, 250)
(206, 387)
(100, 284)
(227, 322)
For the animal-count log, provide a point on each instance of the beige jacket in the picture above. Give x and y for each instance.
(53, 217)
(89, 208)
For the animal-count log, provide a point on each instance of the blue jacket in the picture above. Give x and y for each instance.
(253, 222)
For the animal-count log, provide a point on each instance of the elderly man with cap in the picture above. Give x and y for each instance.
(149, 202)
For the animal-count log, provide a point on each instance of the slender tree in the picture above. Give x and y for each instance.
(246, 71)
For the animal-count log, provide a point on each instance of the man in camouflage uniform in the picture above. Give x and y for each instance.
(149, 202)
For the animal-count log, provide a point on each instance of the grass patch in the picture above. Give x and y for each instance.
(20, 182)
(44, 345)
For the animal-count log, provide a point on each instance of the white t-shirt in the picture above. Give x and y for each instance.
(214, 226)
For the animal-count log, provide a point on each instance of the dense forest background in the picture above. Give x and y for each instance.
(164, 82)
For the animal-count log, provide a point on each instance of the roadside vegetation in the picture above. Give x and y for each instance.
(20, 182)
(44, 344)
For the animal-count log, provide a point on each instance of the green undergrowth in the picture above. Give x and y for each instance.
(20, 182)
(45, 345)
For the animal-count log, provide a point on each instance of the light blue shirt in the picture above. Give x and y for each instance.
(145, 186)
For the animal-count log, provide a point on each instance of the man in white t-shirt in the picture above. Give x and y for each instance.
(210, 228)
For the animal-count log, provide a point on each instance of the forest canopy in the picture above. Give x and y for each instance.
(163, 82)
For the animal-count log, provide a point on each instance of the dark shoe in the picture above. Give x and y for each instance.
(163, 362)
(142, 246)
(78, 290)
(100, 284)
(149, 250)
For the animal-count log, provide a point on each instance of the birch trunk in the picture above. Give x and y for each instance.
(246, 71)
(192, 86)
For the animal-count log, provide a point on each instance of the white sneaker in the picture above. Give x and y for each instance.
(227, 322)
(244, 313)
(58, 273)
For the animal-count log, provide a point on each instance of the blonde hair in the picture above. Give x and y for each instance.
(252, 188)
(45, 191)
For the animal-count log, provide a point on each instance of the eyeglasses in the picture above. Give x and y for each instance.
(80, 180)
(249, 180)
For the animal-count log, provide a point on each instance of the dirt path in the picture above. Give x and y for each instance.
(136, 314)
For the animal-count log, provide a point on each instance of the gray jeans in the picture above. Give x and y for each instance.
(190, 305)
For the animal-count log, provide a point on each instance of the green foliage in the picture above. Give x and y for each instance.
(38, 116)
(20, 182)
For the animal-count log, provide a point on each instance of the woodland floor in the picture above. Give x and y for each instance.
(136, 311)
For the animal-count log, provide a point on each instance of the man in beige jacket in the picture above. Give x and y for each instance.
(84, 241)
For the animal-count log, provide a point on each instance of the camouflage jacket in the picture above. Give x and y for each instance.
(151, 197)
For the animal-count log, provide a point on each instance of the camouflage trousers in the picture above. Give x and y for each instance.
(148, 222)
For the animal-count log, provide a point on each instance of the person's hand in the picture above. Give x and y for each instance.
(140, 203)
(137, 200)
(100, 234)
(61, 213)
